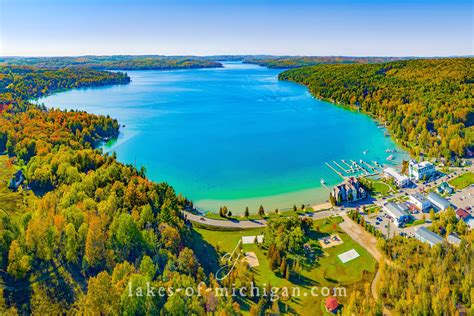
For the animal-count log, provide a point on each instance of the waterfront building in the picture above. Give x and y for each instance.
(420, 170)
(350, 190)
(400, 180)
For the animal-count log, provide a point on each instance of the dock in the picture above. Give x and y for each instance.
(337, 172)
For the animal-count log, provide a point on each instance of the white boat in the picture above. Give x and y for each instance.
(391, 157)
(322, 181)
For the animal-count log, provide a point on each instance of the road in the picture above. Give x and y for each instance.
(244, 224)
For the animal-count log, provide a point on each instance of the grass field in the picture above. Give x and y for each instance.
(462, 181)
(379, 187)
(328, 271)
(268, 214)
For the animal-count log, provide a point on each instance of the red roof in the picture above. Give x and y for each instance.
(462, 213)
(331, 303)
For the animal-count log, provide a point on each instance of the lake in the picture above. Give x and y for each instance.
(233, 136)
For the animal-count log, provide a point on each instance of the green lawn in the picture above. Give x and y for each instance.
(379, 187)
(268, 215)
(462, 181)
(328, 270)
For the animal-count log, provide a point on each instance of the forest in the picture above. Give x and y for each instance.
(426, 104)
(144, 62)
(285, 62)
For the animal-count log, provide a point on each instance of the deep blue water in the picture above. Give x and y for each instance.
(234, 135)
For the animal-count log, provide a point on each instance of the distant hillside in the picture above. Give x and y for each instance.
(285, 62)
(426, 104)
(150, 62)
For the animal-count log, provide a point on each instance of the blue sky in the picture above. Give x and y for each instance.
(297, 27)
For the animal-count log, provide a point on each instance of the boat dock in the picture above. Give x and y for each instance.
(354, 169)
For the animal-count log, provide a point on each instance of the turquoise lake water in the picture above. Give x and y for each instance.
(232, 136)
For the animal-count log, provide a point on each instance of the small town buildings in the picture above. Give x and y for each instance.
(420, 201)
(331, 304)
(400, 180)
(438, 201)
(427, 236)
(398, 212)
(16, 180)
(444, 187)
(350, 190)
(453, 240)
(420, 170)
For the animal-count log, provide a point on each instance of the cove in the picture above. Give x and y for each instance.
(233, 136)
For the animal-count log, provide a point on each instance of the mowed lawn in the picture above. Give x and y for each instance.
(462, 181)
(327, 271)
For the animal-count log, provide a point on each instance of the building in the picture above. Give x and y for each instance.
(16, 180)
(453, 240)
(400, 180)
(331, 304)
(398, 212)
(427, 236)
(350, 190)
(470, 223)
(438, 201)
(420, 170)
(420, 201)
(462, 214)
(446, 188)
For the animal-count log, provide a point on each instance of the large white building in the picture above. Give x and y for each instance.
(420, 201)
(427, 236)
(438, 201)
(420, 170)
(400, 180)
(398, 212)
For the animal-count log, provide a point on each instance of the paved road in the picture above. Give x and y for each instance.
(245, 224)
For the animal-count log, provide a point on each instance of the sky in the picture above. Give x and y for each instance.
(239, 27)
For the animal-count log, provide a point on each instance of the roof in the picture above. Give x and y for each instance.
(470, 222)
(428, 235)
(421, 164)
(435, 198)
(393, 173)
(331, 303)
(395, 209)
(452, 239)
(418, 197)
(463, 214)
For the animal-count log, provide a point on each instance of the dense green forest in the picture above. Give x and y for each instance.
(114, 62)
(284, 62)
(427, 105)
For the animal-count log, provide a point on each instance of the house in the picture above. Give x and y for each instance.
(462, 214)
(420, 170)
(398, 212)
(400, 180)
(470, 222)
(16, 180)
(420, 201)
(350, 190)
(438, 201)
(331, 304)
(446, 188)
(453, 240)
(427, 236)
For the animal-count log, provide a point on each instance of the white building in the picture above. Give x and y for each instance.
(420, 170)
(400, 179)
(398, 212)
(427, 236)
(438, 201)
(420, 201)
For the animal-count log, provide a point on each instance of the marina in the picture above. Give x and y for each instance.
(355, 169)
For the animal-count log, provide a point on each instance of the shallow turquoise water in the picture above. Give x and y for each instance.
(234, 135)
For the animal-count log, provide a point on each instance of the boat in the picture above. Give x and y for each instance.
(391, 157)
(322, 181)
(365, 152)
